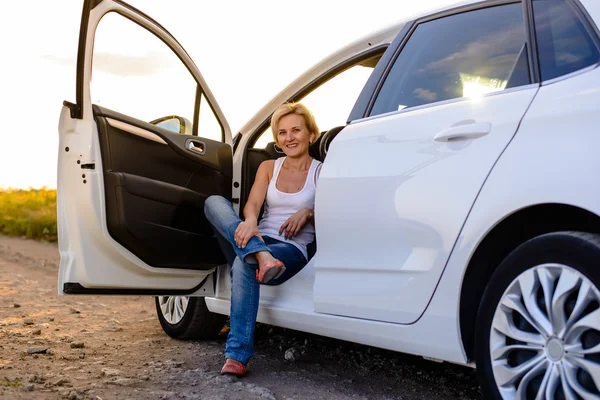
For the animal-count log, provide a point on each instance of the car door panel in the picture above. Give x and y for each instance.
(382, 260)
(397, 187)
(163, 224)
(155, 191)
(217, 155)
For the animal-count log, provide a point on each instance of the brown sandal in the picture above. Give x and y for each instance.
(233, 367)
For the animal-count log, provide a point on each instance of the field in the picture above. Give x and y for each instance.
(28, 213)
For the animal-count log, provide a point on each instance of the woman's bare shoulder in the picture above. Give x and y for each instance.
(266, 168)
(267, 164)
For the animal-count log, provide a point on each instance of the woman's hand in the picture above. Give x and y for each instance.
(245, 231)
(292, 226)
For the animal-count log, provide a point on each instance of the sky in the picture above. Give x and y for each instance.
(247, 52)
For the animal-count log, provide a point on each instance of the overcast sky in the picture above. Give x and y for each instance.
(246, 50)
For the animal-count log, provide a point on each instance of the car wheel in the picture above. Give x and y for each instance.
(538, 326)
(185, 318)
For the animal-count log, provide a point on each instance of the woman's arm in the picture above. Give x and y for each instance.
(249, 228)
(292, 226)
(258, 191)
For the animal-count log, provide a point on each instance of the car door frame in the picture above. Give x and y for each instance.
(81, 113)
(82, 87)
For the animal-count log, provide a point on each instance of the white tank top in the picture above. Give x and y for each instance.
(279, 206)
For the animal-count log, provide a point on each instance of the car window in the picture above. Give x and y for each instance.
(332, 101)
(462, 55)
(135, 73)
(564, 45)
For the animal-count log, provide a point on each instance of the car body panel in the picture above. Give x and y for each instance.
(425, 189)
(516, 183)
(433, 336)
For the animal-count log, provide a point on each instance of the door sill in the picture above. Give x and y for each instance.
(77, 288)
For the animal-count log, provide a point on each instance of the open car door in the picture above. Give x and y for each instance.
(140, 151)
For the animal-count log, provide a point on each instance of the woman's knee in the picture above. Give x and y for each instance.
(213, 203)
(214, 200)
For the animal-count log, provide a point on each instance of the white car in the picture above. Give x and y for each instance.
(457, 213)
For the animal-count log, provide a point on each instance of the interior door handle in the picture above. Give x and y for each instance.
(464, 131)
(196, 146)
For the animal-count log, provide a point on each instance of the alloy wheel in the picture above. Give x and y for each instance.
(545, 336)
(173, 308)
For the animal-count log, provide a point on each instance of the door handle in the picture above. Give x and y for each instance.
(196, 146)
(464, 131)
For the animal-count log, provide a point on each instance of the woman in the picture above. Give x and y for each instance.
(274, 250)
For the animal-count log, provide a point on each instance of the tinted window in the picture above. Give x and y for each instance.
(463, 55)
(564, 45)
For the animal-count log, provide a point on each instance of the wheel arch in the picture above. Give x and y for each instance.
(506, 236)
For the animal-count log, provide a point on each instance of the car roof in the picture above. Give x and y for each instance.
(425, 12)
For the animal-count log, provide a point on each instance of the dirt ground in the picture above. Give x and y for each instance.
(112, 347)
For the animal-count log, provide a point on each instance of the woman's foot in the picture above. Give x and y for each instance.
(233, 367)
(269, 267)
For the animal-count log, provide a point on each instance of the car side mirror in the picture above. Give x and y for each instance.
(175, 124)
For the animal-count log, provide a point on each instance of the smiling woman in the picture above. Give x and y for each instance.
(275, 249)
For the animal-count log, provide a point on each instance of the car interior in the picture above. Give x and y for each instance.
(255, 156)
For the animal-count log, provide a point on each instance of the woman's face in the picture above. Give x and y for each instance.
(293, 136)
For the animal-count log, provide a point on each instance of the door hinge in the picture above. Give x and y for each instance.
(74, 109)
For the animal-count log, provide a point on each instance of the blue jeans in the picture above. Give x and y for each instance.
(245, 289)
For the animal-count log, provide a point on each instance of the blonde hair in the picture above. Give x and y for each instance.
(298, 109)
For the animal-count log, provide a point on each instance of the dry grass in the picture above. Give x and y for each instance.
(28, 213)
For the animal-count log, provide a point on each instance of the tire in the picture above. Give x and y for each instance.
(563, 269)
(197, 322)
